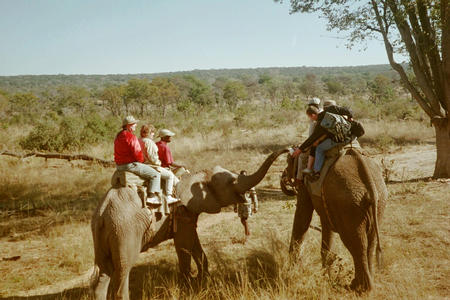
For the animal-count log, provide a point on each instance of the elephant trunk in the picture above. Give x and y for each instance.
(246, 182)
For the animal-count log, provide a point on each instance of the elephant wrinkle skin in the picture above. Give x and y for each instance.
(355, 196)
(121, 228)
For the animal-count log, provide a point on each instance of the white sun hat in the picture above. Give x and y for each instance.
(165, 132)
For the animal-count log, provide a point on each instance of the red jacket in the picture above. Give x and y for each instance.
(164, 153)
(127, 148)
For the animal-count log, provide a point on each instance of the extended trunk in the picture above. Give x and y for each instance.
(442, 129)
(247, 182)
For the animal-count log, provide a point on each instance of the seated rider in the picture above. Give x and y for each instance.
(315, 102)
(312, 151)
(320, 133)
(164, 153)
(129, 157)
(151, 157)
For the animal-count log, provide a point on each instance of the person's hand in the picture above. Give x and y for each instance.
(296, 152)
(235, 209)
(255, 210)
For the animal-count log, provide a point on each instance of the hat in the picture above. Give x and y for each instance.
(327, 103)
(314, 101)
(165, 132)
(129, 120)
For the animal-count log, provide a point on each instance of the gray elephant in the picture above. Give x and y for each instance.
(122, 229)
(353, 199)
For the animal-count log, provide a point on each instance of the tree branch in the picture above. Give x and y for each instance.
(69, 157)
(397, 67)
(405, 33)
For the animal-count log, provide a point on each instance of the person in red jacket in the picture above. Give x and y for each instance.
(129, 157)
(164, 153)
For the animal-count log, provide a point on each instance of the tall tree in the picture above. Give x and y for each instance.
(137, 91)
(113, 96)
(165, 92)
(418, 29)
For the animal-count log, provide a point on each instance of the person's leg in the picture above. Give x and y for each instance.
(245, 223)
(320, 153)
(167, 176)
(147, 172)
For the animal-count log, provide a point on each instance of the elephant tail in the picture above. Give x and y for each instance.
(367, 178)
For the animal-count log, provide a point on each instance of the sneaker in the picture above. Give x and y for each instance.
(172, 200)
(307, 171)
(314, 176)
(153, 200)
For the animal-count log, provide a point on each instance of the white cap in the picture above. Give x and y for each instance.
(165, 132)
(314, 100)
(129, 120)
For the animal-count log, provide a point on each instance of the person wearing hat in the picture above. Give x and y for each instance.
(327, 103)
(319, 133)
(151, 157)
(164, 153)
(129, 157)
(314, 102)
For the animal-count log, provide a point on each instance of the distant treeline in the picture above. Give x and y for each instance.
(67, 112)
(38, 83)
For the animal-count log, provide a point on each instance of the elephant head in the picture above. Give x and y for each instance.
(210, 191)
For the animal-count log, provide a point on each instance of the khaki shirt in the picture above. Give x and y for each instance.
(150, 151)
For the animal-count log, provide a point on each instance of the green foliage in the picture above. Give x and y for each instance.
(233, 92)
(68, 134)
(199, 91)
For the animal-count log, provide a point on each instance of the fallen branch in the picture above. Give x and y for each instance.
(69, 157)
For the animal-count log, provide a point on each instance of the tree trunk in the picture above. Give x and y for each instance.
(442, 129)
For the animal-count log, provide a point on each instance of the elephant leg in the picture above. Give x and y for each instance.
(184, 240)
(101, 286)
(200, 259)
(302, 218)
(327, 243)
(357, 244)
(123, 261)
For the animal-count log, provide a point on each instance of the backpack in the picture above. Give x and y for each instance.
(357, 129)
(338, 126)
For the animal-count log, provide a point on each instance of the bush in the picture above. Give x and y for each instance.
(69, 134)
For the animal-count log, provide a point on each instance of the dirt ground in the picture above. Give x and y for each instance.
(404, 164)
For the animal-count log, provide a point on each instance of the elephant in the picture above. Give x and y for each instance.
(353, 199)
(122, 228)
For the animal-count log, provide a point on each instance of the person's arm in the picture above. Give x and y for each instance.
(136, 149)
(152, 151)
(254, 200)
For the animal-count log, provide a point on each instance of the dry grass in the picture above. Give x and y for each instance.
(46, 206)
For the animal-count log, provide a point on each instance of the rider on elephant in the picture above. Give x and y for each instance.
(151, 157)
(129, 157)
(164, 153)
(320, 133)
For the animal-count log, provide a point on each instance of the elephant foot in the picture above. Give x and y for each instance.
(361, 286)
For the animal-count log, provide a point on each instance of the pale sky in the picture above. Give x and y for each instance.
(137, 36)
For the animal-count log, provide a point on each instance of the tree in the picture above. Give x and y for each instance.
(165, 92)
(113, 96)
(233, 92)
(25, 105)
(199, 92)
(310, 87)
(138, 91)
(418, 29)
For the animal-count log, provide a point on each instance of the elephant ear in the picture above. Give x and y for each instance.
(196, 195)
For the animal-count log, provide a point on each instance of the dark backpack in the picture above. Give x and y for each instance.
(357, 129)
(338, 126)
